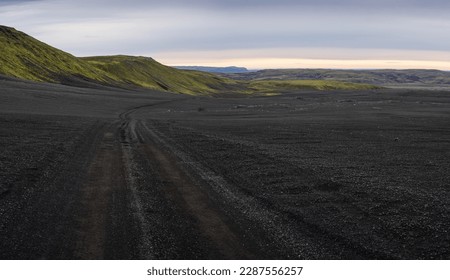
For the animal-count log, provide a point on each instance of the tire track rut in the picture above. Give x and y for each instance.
(180, 190)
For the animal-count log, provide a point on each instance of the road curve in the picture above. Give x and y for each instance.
(154, 179)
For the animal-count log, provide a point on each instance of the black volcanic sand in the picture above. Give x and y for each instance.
(113, 174)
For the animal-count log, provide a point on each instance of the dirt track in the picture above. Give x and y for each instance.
(107, 174)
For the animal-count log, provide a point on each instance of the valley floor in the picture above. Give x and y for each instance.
(109, 174)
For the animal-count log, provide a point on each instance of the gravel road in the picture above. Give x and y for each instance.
(113, 174)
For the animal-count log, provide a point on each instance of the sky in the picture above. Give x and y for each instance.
(256, 34)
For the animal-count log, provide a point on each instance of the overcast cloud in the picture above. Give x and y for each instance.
(202, 32)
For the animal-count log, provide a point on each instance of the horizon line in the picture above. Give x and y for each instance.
(308, 68)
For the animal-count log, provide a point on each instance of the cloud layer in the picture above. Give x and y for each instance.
(409, 30)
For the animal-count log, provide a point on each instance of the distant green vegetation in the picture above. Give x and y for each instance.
(280, 85)
(24, 57)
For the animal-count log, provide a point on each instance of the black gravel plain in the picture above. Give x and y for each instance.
(103, 173)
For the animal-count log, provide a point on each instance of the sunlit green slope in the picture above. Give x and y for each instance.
(24, 57)
(148, 73)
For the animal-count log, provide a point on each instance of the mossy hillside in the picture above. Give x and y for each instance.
(146, 72)
(25, 57)
(22, 56)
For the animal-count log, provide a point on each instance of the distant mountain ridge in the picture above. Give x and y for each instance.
(224, 70)
(380, 77)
